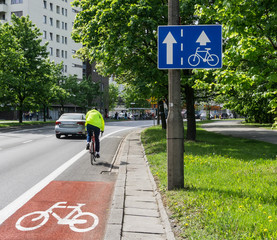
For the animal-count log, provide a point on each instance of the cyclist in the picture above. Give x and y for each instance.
(94, 123)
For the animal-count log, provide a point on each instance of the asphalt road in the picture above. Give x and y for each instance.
(234, 128)
(30, 159)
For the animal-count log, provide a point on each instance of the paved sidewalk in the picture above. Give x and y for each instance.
(137, 211)
(236, 129)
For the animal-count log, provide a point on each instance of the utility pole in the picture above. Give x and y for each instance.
(175, 127)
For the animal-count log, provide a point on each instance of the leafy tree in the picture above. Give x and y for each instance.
(44, 98)
(68, 89)
(88, 93)
(249, 79)
(121, 37)
(131, 94)
(113, 95)
(22, 63)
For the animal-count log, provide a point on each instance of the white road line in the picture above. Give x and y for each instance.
(10, 209)
(28, 141)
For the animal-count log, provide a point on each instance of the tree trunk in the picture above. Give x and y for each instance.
(158, 115)
(191, 125)
(44, 113)
(20, 111)
(20, 117)
(161, 110)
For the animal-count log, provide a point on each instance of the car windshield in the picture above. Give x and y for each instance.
(72, 117)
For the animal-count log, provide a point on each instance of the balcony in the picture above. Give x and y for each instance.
(3, 7)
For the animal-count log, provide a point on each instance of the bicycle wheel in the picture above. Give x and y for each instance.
(32, 223)
(92, 152)
(80, 219)
(193, 60)
(212, 60)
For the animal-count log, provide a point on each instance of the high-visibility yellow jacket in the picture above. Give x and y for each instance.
(93, 117)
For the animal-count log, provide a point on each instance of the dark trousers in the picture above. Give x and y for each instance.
(96, 130)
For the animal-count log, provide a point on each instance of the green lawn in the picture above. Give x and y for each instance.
(230, 186)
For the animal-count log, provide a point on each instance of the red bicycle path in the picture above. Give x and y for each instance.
(95, 195)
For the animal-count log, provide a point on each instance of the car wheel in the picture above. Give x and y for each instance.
(58, 135)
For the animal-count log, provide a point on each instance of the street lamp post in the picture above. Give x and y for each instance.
(175, 129)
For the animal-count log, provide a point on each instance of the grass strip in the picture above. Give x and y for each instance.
(230, 186)
(7, 124)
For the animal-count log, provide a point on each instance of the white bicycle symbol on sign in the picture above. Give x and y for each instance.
(211, 59)
(41, 217)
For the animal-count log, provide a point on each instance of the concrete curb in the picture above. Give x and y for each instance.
(115, 221)
(163, 213)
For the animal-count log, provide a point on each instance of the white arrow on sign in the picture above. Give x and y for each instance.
(203, 39)
(169, 41)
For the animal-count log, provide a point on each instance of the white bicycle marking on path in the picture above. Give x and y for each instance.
(43, 217)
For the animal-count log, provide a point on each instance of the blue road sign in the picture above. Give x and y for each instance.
(189, 47)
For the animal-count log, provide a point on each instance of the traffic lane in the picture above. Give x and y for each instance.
(10, 140)
(67, 210)
(82, 170)
(27, 164)
(133, 123)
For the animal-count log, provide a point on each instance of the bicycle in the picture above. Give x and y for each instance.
(211, 59)
(92, 149)
(43, 217)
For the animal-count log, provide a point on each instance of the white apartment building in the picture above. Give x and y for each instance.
(55, 20)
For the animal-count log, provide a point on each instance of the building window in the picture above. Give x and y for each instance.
(62, 11)
(58, 24)
(51, 36)
(17, 13)
(65, 26)
(65, 12)
(65, 54)
(62, 25)
(65, 40)
(45, 4)
(2, 17)
(51, 51)
(62, 39)
(51, 6)
(51, 21)
(16, 1)
(44, 34)
(44, 19)
(65, 68)
(58, 38)
(62, 53)
(58, 9)
(57, 52)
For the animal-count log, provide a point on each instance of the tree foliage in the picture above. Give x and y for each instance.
(249, 79)
(121, 37)
(113, 95)
(23, 64)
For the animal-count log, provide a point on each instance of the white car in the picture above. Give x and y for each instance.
(71, 124)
